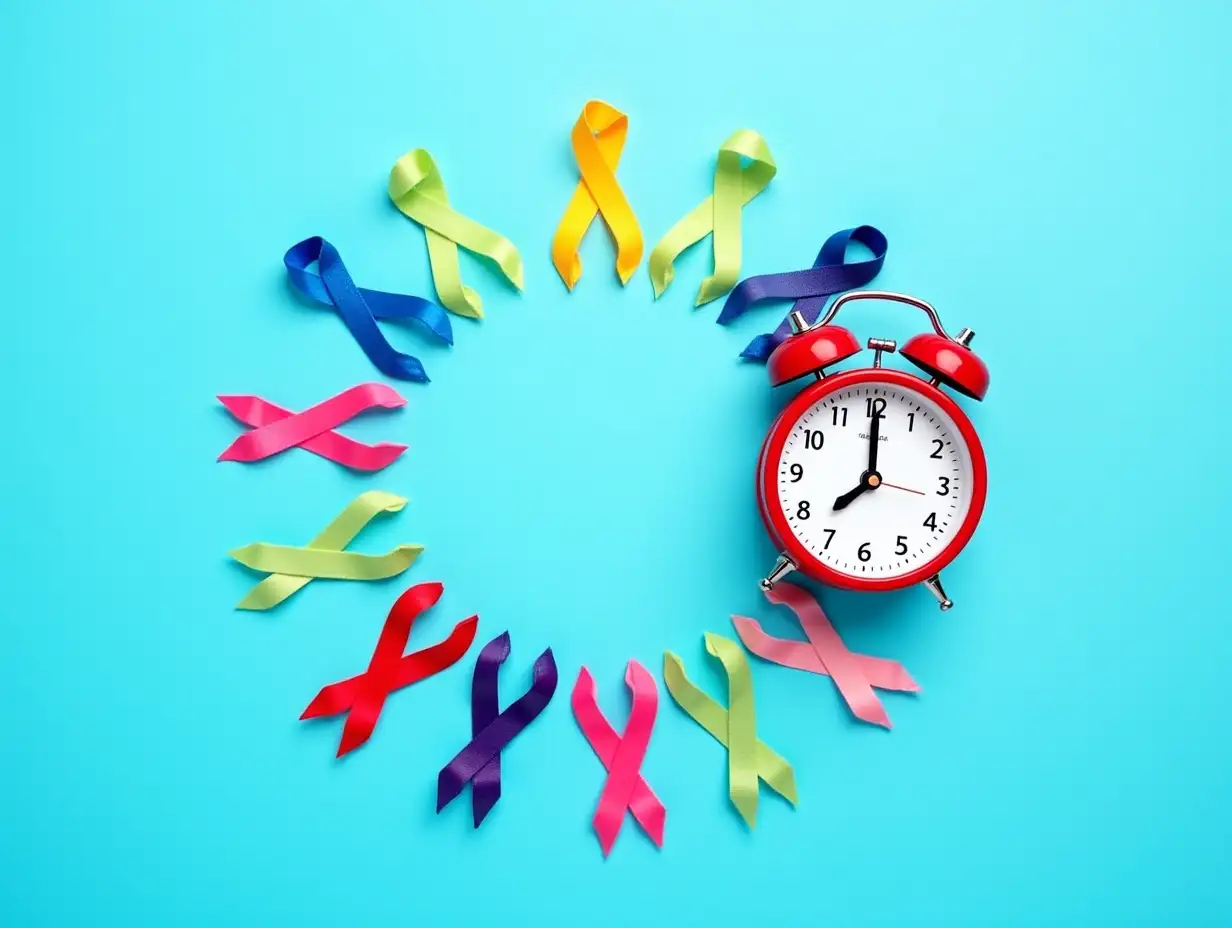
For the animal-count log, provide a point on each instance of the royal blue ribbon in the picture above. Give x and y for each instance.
(491, 730)
(830, 274)
(360, 309)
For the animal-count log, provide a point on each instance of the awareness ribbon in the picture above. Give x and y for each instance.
(275, 429)
(855, 675)
(491, 730)
(362, 697)
(748, 758)
(719, 213)
(360, 309)
(290, 569)
(622, 755)
(416, 187)
(598, 139)
(829, 274)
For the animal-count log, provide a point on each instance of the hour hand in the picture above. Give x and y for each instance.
(845, 500)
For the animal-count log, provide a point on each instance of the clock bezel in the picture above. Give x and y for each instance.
(767, 479)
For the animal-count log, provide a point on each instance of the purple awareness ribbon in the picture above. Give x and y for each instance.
(491, 730)
(830, 274)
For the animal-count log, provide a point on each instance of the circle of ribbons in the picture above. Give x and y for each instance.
(744, 168)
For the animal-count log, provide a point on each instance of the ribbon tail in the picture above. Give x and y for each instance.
(272, 591)
(485, 790)
(332, 699)
(360, 722)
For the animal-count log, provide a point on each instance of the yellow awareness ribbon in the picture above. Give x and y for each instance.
(748, 758)
(598, 139)
(291, 568)
(735, 184)
(416, 188)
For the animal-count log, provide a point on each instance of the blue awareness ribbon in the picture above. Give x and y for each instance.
(360, 309)
(830, 274)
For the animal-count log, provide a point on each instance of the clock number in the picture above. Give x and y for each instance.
(874, 406)
(830, 532)
(910, 422)
(863, 553)
(834, 418)
(936, 455)
(931, 522)
(797, 472)
(813, 438)
(945, 486)
(802, 511)
(901, 546)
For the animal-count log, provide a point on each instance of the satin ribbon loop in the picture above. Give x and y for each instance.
(491, 729)
(362, 697)
(830, 274)
(290, 569)
(417, 189)
(748, 758)
(855, 675)
(736, 183)
(360, 309)
(275, 429)
(598, 139)
(622, 756)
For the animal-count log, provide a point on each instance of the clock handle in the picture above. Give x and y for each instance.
(927, 308)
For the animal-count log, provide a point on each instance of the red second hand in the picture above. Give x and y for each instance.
(897, 487)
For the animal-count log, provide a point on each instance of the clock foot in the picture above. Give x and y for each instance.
(782, 567)
(934, 586)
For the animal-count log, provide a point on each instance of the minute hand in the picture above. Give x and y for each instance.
(873, 441)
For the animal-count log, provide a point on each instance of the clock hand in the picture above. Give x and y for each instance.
(908, 489)
(873, 441)
(845, 500)
(868, 481)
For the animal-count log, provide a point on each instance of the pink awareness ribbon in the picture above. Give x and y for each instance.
(824, 653)
(622, 755)
(275, 429)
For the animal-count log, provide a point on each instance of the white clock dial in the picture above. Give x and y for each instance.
(923, 476)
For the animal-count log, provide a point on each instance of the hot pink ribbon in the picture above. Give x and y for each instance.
(824, 653)
(276, 429)
(622, 755)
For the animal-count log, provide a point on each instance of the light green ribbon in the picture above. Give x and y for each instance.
(416, 188)
(734, 186)
(291, 568)
(748, 758)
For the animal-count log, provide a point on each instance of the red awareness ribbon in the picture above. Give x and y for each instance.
(275, 429)
(622, 755)
(824, 653)
(362, 697)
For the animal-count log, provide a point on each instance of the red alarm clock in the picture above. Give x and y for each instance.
(873, 478)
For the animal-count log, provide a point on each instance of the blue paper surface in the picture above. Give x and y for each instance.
(1052, 174)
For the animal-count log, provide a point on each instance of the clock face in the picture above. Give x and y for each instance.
(891, 519)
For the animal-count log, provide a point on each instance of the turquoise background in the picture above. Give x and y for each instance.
(1052, 174)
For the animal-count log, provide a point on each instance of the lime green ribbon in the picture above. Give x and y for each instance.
(734, 186)
(291, 568)
(416, 188)
(748, 758)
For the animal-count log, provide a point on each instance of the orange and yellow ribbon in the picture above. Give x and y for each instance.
(598, 139)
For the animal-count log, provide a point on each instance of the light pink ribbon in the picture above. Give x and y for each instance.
(824, 653)
(276, 429)
(622, 756)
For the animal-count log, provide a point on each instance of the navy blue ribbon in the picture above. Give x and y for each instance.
(491, 730)
(360, 309)
(830, 274)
